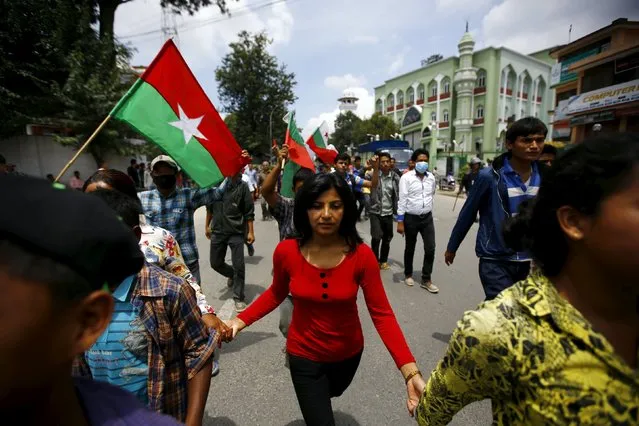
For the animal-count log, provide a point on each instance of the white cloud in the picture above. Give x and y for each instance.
(363, 39)
(457, 7)
(397, 61)
(345, 81)
(365, 108)
(203, 37)
(531, 26)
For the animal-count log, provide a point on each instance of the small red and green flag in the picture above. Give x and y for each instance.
(169, 107)
(318, 142)
(298, 156)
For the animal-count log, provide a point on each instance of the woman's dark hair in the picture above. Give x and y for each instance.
(127, 208)
(116, 179)
(418, 152)
(311, 191)
(524, 127)
(582, 178)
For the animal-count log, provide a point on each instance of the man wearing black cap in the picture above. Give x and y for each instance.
(156, 345)
(172, 208)
(58, 250)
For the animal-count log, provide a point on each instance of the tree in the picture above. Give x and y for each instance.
(346, 131)
(255, 90)
(378, 124)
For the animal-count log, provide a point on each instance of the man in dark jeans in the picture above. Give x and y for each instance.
(233, 219)
(415, 216)
(496, 194)
(383, 205)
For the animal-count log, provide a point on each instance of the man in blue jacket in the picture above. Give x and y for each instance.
(514, 177)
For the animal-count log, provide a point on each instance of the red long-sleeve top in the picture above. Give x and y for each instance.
(325, 326)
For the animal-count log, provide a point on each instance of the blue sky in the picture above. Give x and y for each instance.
(332, 45)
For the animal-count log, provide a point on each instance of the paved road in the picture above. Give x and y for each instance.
(254, 386)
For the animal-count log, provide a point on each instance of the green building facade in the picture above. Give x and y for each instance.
(460, 106)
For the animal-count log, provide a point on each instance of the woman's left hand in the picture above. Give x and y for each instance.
(414, 389)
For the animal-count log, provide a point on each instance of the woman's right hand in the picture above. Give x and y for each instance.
(235, 325)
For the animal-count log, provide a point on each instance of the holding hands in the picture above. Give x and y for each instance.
(233, 327)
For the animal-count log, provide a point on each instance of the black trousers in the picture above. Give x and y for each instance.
(219, 244)
(498, 275)
(423, 225)
(381, 233)
(316, 383)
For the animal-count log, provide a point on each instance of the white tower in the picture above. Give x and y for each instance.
(348, 101)
(465, 79)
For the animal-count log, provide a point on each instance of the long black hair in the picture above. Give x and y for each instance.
(116, 179)
(307, 195)
(582, 178)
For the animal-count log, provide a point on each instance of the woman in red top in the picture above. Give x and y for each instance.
(324, 270)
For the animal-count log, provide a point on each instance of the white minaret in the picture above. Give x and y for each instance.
(465, 78)
(348, 101)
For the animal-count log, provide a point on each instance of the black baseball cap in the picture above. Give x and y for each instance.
(69, 227)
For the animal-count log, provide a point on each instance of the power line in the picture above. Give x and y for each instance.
(195, 25)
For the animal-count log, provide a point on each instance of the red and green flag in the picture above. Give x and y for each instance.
(297, 154)
(169, 107)
(318, 143)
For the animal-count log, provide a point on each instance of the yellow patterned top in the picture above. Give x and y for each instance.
(539, 361)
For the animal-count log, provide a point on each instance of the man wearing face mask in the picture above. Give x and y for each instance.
(415, 216)
(172, 208)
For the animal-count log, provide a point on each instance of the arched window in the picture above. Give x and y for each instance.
(379, 106)
(390, 100)
(445, 115)
(433, 90)
(420, 92)
(400, 97)
(480, 111)
(410, 95)
(446, 86)
(433, 116)
(481, 79)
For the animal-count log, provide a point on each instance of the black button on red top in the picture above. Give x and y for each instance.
(322, 274)
(324, 296)
(324, 285)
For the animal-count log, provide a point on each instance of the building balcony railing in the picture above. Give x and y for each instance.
(524, 96)
(509, 92)
(444, 124)
(432, 98)
(444, 95)
(400, 106)
(479, 90)
(539, 99)
(420, 102)
(478, 121)
(390, 109)
(409, 104)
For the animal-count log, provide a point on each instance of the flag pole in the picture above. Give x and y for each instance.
(83, 147)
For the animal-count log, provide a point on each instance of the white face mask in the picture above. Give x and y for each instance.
(421, 167)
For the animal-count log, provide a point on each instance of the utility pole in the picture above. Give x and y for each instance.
(169, 26)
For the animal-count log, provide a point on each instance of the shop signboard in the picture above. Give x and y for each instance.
(593, 118)
(560, 74)
(606, 97)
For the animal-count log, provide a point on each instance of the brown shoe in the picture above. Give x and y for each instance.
(384, 266)
(430, 287)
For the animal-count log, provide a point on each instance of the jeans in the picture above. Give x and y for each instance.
(498, 275)
(286, 314)
(316, 383)
(367, 205)
(381, 232)
(195, 270)
(219, 244)
(419, 224)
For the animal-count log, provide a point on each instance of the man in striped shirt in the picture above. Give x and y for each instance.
(496, 194)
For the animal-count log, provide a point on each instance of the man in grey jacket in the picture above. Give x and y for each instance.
(383, 205)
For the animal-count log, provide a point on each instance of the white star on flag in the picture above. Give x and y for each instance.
(188, 126)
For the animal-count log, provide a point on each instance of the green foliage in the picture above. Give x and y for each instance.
(255, 90)
(350, 129)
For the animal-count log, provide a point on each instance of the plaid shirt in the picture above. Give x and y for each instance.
(161, 249)
(180, 344)
(175, 213)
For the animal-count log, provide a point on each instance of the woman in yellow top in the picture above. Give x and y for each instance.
(559, 348)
